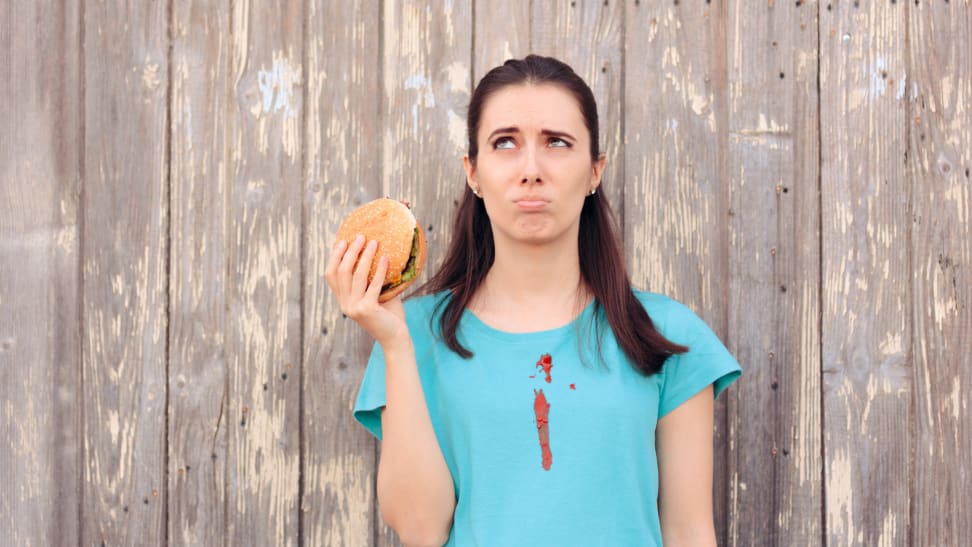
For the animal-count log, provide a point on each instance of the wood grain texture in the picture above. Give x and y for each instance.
(502, 32)
(426, 77)
(197, 375)
(124, 272)
(675, 199)
(939, 91)
(264, 313)
(341, 171)
(866, 288)
(675, 205)
(40, 347)
(775, 482)
(153, 387)
(589, 36)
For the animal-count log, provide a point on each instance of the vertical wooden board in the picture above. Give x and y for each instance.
(426, 73)
(197, 291)
(264, 314)
(939, 87)
(124, 275)
(776, 478)
(502, 32)
(675, 205)
(40, 381)
(427, 55)
(675, 198)
(589, 36)
(341, 171)
(866, 300)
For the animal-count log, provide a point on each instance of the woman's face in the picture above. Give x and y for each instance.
(534, 167)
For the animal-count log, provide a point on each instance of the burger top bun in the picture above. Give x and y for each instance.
(392, 224)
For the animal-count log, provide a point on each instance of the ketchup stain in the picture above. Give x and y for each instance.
(542, 410)
(572, 386)
(546, 363)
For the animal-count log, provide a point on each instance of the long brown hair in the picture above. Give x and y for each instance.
(471, 251)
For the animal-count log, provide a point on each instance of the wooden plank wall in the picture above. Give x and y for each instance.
(174, 371)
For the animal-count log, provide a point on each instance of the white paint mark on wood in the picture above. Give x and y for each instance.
(888, 529)
(954, 401)
(420, 82)
(457, 130)
(277, 87)
(150, 76)
(840, 494)
(891, 345)
(457, 74)
(876, 75)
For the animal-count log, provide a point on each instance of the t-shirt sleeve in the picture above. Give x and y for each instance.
(371, 395)
(707, 362)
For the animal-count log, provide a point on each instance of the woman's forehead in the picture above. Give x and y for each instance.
(527, 105)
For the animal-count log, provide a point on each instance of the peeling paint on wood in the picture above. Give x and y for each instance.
(175, 369)
(864, 200)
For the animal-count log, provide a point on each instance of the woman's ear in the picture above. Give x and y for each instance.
(597, 169)
(470, 168)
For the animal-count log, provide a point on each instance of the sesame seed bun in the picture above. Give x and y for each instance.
(392, 224)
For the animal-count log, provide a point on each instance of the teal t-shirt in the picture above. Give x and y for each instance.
(548, 443)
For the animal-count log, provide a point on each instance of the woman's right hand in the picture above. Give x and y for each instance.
(357, 297)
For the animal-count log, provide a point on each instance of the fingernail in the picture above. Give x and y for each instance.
(359, 238)
(372, 244)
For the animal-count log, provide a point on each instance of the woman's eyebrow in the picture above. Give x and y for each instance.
(544, 132)
(560, 134)
(510, 129)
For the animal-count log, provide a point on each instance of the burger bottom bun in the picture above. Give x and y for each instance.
(387, 295)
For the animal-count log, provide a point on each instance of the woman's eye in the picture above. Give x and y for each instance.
(557, 142)
(503, 143)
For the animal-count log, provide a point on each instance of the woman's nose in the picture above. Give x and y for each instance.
(531, 169)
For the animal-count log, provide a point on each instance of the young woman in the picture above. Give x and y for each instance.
(531, 396)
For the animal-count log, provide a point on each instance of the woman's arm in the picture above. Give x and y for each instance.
(415, 490)
(684, 444)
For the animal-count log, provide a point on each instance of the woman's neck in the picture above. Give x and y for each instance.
(531, 288)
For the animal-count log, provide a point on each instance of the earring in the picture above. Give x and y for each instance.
(475, 191)
(593, 191)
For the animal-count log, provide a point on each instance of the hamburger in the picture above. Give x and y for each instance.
(399, 236)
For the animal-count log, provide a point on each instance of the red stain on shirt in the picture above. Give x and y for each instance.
(572, 386)
(546, 363)
(542, 410)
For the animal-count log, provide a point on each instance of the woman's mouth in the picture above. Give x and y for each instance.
(531, 204)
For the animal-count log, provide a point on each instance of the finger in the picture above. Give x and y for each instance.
(337, 252)
(359, 282)
(374, 288)
(346, 268)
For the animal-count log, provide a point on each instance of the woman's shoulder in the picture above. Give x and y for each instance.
(672, 318)
(424, 306)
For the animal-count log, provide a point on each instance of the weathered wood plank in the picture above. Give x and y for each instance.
(939, 88)
(264, 311)
(198, 280)
(124, 275)
(502, 32)
(341, 170)
(588, 35)
(40, 346)
(675, 168)
(866, 295)
(675, 199)
(426, 82)
(776, 477)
